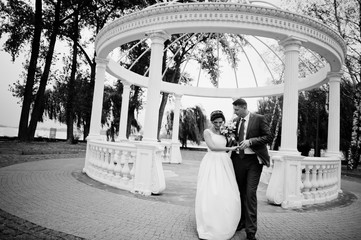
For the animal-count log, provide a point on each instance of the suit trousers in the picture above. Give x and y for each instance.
(248, 172)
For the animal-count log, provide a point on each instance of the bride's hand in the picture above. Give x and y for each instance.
(234, 148)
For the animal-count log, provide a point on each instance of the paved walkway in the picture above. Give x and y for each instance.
(54, 194)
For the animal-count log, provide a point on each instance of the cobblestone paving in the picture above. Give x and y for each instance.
(14, 152)
(46, 200)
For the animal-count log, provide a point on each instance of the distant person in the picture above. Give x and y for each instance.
(252, 137)
(218, 206)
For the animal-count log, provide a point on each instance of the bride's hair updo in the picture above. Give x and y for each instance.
(217, 114)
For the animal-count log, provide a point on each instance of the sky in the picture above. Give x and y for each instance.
(10, 108)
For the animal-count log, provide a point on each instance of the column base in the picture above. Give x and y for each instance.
(121, 139)
(149, 175)
(176, 156)
(288, 152)
(94, 137)
(284, 185)
(152, 140)
(334, 154)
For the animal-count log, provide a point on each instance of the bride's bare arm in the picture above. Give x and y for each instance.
(208, 139)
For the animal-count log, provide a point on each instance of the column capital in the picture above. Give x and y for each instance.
(157, 36)
(126, 84)
(291, 43)
(101, 61)
(334, 76)
(178, 96)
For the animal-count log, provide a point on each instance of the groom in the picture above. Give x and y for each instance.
(253, 136)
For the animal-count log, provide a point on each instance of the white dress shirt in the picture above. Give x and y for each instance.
(246, 118)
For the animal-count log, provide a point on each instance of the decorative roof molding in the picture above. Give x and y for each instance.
(267, 17)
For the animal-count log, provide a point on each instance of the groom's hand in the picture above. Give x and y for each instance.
(245, 144)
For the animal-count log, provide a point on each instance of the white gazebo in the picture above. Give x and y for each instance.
(137, 165)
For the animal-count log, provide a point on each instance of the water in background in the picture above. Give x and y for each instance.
(46, 133)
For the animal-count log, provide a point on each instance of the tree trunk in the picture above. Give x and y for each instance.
(355, 146)
(39, 101)
(278, 124)
(165, 95)
(317, 144)
(163, 103)
(70, 97)
(92, 65)
(132, 108)
(35, 48)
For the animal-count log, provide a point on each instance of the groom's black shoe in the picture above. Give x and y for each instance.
(240, 227)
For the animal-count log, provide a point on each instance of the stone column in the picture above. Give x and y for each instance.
(123, 121)
(290, 98)
(97, 106)
(333, 139)
(154, 83)
(176, 156)
(149, 176)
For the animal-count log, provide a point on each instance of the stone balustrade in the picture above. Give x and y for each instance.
(297, 181)
(113, 163)
(293, 181)
(320, 180)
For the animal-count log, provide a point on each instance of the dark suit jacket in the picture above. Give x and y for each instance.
(259, 133)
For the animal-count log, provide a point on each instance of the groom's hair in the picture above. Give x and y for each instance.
(240, 102)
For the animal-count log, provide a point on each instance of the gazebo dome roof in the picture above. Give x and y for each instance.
(266, 25)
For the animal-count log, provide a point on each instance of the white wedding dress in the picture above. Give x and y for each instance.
(218, 205)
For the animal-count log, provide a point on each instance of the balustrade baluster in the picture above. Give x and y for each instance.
(301, 180)
(96, 157)
(321, 173)
(104, 162)
(132, 171)
(99, 158)
(331, 181)
(319, 192)
(307, 183)
(334, 177)
(327, 176)
(108, 167)
(314, 179)
(112, 164)
(118, 167)
(328, 180)
(168, 152)
(125, 170)
(92, 159)
(122, 156)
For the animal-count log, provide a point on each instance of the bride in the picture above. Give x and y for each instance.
(218, 205)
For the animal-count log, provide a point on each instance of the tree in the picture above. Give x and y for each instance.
(96, 15)
(22, 20)
(52, 24)
(53, 20)
(204, 48)
(344, 18)
(270, 107)
(192, 123)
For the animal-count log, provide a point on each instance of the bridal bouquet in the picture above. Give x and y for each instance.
(229, 131)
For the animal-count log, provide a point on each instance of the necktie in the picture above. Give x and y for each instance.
(241, 136)
(241, 130)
